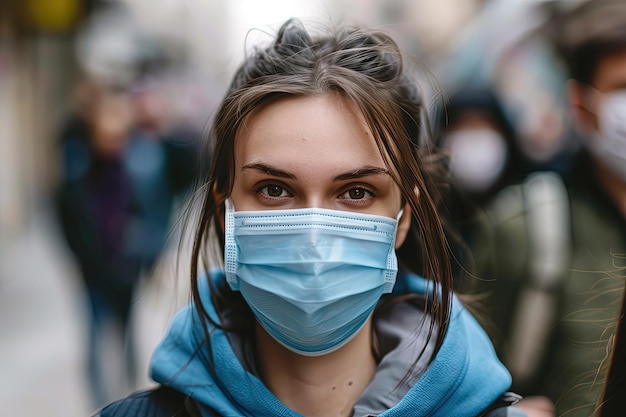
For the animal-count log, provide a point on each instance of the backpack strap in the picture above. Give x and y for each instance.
(547, 208)
(159, 402)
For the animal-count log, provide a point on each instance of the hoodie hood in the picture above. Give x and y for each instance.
(463, 380)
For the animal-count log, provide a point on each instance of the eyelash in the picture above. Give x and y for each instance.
(371, 193)
(259, 188)
(362, 188)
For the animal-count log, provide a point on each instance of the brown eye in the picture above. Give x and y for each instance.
(357, 193)
(274, 190)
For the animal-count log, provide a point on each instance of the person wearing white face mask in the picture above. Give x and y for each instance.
(607, 134)
(551, 242)
(483, 158)
(478, 157)
(480, 139)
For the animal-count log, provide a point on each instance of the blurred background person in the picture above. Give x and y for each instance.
(552, 239)
(484, 155)
(96, 209)
(121, 173)
(126, 160)
(484, 158)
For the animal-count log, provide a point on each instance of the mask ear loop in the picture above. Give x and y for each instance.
(392, 261)
(229, 206)
(230, 246)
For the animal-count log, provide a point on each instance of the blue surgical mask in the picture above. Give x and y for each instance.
(312, 277)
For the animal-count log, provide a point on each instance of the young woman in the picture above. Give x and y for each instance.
(330, 292)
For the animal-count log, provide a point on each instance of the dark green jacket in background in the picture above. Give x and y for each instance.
(549, 264)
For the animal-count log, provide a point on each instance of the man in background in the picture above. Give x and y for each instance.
(551, 241)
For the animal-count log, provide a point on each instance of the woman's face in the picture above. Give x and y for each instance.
(300, 152)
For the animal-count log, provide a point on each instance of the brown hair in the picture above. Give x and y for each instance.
(367, 69)
(611, 402)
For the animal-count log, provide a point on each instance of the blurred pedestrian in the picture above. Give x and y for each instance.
(550, 239)
(484, 154)
(115, 201)
(484, 157)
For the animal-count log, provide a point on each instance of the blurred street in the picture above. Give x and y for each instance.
(41, 347)
(43, 324)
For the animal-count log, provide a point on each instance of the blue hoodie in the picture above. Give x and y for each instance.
(463, 380)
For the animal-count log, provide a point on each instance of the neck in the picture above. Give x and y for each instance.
(614, 185)
(326, 385)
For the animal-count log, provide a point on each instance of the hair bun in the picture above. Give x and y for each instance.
(292, 38)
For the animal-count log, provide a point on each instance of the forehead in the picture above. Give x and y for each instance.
(610, 73)
(322, 129)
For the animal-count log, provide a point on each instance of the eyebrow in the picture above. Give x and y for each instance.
(269, 170)
(361, 172)
(357, 173)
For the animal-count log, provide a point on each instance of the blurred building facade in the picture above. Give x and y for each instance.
(36, 70)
